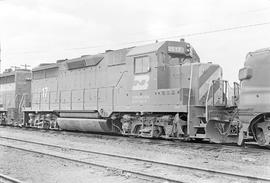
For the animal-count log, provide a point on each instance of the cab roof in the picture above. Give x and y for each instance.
(149, 48)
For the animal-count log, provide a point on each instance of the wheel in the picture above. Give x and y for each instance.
(262, 133)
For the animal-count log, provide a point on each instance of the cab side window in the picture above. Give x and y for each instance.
(141, 64)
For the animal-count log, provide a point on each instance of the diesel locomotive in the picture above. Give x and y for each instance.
(254, 104)
(159, 90)
(15, 88)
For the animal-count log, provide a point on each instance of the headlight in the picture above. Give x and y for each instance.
(245, 73)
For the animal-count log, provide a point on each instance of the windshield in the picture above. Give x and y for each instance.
(177, 59)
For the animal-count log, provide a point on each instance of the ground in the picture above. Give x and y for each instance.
(37, 168)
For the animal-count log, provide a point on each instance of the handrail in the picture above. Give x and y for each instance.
(206, 102)
(21, 103)
(120, 78)
(86, 89)
(189, 96)
(53, 95)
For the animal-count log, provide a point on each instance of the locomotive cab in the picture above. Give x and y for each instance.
(150, 65)
(170, 60)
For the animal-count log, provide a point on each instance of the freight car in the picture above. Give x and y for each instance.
(14, 95)
(155, 90)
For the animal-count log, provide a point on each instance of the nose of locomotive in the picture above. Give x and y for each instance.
(255, 90)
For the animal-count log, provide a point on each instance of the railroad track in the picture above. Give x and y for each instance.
(96, 157)
(163, 142)
(250, 145)
(8, 179)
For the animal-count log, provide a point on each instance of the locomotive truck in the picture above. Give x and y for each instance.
(159, 90)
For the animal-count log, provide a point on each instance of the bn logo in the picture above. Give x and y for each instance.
(141, 82)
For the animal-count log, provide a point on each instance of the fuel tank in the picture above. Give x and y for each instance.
(85, 125)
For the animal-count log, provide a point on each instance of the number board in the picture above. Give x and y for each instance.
(174, 49)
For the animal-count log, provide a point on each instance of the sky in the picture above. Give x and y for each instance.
(43, 31)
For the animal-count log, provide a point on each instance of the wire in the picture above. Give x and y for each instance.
(184, 35)
(221, 30)
(162, 38)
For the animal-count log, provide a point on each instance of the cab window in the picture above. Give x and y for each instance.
(141, 65)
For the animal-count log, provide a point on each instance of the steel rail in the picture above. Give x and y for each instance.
(231, 174)
(251, 145)
(140, 174)
(8, 179)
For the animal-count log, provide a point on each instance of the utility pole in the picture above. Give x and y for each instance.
(15, 67)
(25, 66)
(0, 57)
